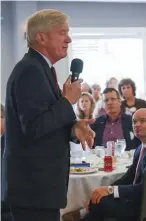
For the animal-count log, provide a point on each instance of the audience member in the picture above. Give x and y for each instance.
(85, 106)
(130, 104)
(112, 83)
(96, 93)
(86, 88)
(114, 125)
(122, 200)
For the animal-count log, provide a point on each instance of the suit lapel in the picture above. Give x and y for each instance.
(124, 127)
(52, 81)
(47, 71)
(100, 130)
(143, 164)
(141, 168)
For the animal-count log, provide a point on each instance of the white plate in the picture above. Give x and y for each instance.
(124, 162)
(86, 171)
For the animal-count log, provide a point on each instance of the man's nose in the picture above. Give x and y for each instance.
(109, 101)
(137, 124)
(69, 40)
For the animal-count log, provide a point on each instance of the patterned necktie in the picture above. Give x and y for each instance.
(139, 162)
(55, 76)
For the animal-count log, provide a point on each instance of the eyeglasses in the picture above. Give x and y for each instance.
(113, 99)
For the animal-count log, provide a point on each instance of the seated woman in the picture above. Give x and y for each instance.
(85, 106)
(96, 93)
(130, 104)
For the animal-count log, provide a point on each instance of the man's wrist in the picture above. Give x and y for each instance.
(69, 100)
(110, 190)
(113, 190)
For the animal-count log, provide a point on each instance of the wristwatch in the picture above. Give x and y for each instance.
(110, 190)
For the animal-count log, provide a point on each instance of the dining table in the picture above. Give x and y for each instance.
(81, 186)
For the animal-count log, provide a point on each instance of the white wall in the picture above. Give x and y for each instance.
(21, 11)
(82, 14)
(7, 61)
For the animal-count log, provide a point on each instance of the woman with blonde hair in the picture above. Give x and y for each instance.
(85, 106)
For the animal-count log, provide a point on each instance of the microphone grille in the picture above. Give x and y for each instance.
(76, 66)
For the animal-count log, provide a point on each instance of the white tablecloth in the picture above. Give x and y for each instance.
(81, 186)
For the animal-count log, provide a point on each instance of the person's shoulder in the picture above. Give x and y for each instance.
(140, 101)
(126, 117)
(123, 102)
(24, 66)
(101, 118)
(137, 151)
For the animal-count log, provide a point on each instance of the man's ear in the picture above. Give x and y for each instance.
(120, 101)
(40, 38)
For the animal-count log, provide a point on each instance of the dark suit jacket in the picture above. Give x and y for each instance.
(99, 126)
(132, 193)
(37, 133)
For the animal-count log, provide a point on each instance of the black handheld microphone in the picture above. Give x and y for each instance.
(76, 68)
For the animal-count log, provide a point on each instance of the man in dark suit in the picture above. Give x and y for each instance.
(39, 122)
(121, 200)
(114, 125)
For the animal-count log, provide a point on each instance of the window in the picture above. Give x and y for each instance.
(110, 53)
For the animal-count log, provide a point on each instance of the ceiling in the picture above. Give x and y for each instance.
(124, 1)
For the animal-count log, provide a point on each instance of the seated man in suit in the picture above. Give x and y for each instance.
(122, 199)
(114, 125)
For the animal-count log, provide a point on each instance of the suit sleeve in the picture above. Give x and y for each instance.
(39, 113)
(130, 192)
(128, 177)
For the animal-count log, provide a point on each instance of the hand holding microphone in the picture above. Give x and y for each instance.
(72, 92)
(72, 86)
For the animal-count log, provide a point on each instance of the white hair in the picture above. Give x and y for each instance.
(43, 21)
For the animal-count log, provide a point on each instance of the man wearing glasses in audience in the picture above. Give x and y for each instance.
(114, 125)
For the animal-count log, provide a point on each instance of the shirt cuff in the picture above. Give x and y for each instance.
(116, 192)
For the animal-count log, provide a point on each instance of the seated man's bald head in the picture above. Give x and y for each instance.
(139, 124)
(141, 111)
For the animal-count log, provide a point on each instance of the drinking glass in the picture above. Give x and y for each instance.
(120, 147)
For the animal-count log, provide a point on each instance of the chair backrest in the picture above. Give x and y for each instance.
(143, 202)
